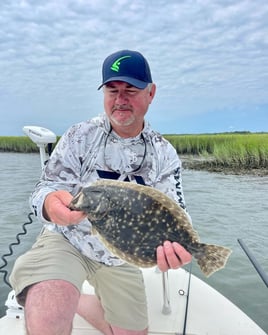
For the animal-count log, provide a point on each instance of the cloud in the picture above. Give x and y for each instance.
(204, 55)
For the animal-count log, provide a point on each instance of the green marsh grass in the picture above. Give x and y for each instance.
(231, 150)
(17, 144)
(21, 144)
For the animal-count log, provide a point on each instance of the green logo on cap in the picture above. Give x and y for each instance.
(116, 64)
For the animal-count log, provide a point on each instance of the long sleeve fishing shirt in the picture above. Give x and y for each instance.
(89, 151)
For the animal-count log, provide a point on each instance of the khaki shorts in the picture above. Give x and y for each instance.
(120, 288)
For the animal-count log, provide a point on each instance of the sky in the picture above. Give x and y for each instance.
(209, 60)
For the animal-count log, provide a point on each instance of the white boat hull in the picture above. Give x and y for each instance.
(209, 312)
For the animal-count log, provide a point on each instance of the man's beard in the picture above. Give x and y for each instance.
(121, 110)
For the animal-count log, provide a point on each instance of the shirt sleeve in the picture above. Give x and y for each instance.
(62, 172)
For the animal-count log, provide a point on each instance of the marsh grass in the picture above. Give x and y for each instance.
(230, 150)
(17, 144)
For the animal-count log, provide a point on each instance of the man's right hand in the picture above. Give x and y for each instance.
(56, 209)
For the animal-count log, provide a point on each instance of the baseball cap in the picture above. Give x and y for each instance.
(128, 66)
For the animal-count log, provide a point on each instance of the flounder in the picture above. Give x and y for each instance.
(132, 220)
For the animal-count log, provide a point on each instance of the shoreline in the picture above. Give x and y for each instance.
(208, 164)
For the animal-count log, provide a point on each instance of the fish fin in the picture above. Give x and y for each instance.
(211, 258)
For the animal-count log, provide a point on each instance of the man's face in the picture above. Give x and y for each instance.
(125, 106)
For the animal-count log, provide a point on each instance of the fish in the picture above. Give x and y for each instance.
(132, 220)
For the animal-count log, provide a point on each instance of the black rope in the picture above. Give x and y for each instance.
(11, 245)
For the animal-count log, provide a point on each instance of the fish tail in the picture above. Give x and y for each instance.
(211, 258)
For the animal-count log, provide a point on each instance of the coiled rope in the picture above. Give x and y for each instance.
(11, 245)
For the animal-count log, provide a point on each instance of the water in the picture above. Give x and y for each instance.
(223, 208)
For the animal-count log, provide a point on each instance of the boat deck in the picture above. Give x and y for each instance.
(209, 312)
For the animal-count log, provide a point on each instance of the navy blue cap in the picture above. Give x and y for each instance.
(128, 66)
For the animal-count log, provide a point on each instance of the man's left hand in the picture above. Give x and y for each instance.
(171, 255)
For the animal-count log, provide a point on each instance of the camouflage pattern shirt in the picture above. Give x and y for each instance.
(89, 151)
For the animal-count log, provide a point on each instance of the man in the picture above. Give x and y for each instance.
(118, 145)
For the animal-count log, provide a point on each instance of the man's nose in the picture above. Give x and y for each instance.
(121, 97)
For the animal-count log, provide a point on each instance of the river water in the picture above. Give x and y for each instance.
(223, 208)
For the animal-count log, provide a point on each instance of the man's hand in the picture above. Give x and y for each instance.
(171, 255)
(56, 209)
